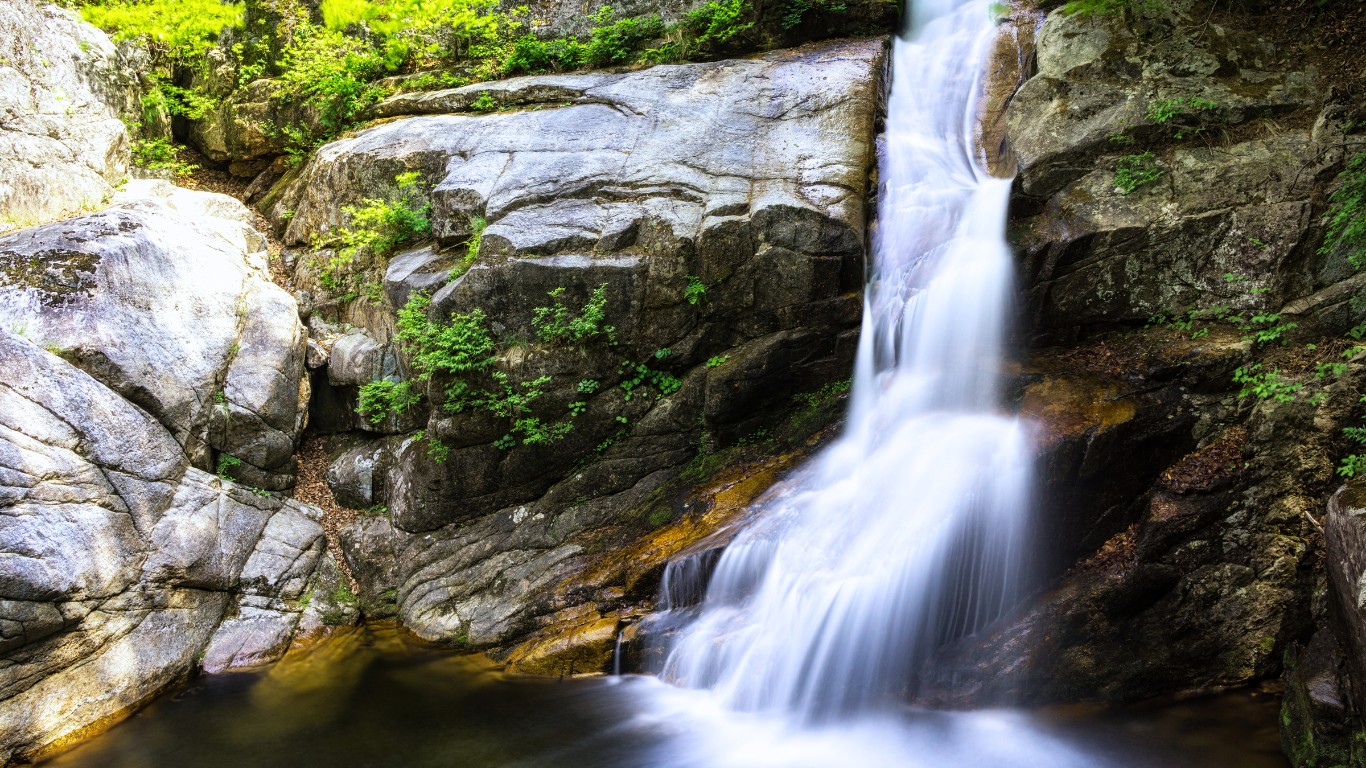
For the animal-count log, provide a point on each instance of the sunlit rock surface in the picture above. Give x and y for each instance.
(165, 299)
(750, 175)
(118, 560)
(63, 89)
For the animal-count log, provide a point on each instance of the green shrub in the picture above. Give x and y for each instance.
(718, 22)
(796, 10)
(182, 29)
(1265, 385)
(1346, 230)
(556, 324)
(380, 399)
(332, 73)
(1136, 171)
(378, 227)
(160, 154)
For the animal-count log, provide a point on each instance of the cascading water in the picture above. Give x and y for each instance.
(913, 528)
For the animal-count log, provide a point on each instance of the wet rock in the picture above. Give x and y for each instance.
(1316, 709)
(118, 560)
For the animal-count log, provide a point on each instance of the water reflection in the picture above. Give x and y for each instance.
(375, 697)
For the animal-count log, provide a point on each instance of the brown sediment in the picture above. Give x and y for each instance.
(311, 488)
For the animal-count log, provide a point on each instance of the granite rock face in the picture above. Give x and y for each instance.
(165, 299)
(63, 88)
(118, 561)
(727, 244)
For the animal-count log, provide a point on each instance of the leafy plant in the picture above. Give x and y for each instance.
(556, 324)
(160, 154)
(695, 291)
(226, 465)
(1265, 385)
(485, 102)
(379, 227)
(380, 399)
(717, 22)
(477, 226)
(1346, 229)
(716, 361)
(1185, 115)
(1135, 171)
(795, 11)
(183, 29)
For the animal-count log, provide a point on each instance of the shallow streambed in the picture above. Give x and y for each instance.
(375, 698)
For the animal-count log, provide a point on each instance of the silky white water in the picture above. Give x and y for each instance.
(913, 528)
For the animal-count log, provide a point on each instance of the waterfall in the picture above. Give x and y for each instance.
(912, 529)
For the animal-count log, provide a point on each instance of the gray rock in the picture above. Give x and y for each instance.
(358, 476)
(63, 88)
(165, 299)
(117, 559)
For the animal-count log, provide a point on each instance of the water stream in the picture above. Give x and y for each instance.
(914, 527)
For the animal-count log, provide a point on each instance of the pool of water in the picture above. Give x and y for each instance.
(374, 697)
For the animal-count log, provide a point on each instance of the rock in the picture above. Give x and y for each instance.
(165, 299)
(238, 130)
(118, 560)
(1222, 225)
(64, 87)
(623, 191)
(357, 477)
(1315, 709)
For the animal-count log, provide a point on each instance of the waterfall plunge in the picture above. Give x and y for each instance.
(912, 529)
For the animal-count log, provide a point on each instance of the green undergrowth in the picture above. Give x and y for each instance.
(376, 228)
(457, 361)
(159, 154)
(331, 62)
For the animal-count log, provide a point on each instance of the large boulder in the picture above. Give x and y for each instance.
(64, 89)
(119, 561)
(165, 298)
(728, 251)
(1225, 220)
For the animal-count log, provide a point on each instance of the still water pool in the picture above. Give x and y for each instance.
(375, 697)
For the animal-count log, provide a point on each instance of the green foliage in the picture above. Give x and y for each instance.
(695, 291)
(332, 73)
(183, 29)
(1136, 170)
(1115, 7)
(1186, 116)
(379, 399)
(611, 41)
(485, 103)
(1346, 230)
(796, 10)
(556, 324)
(637, 375)
(718, 22)
(379, 227)
(160, 154)
(587, 386)
(476, 240)
(463, 353)
(1265, 385)
(1352, 465)
(716, 361)
(226, 465)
